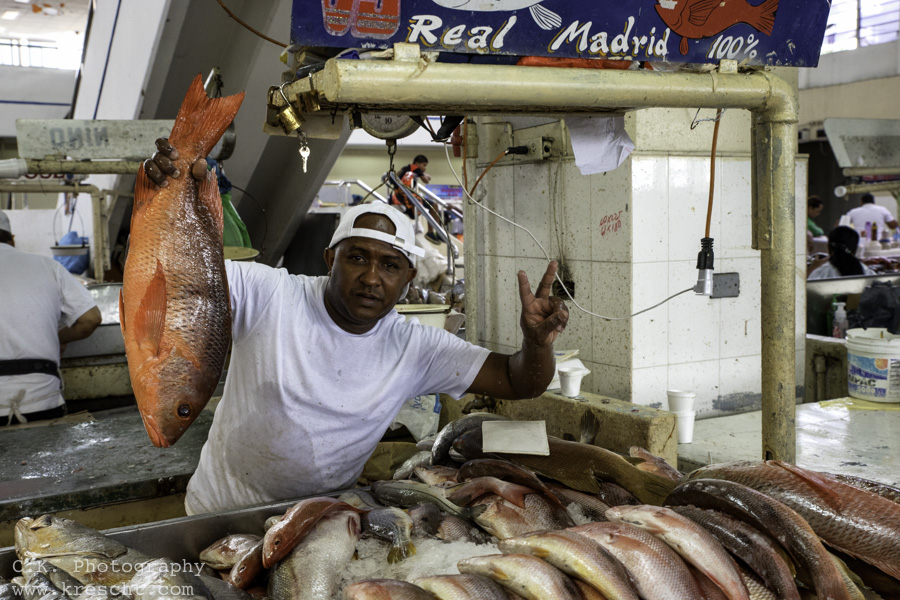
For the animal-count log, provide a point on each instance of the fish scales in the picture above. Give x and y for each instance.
(657, 571)
(463, 587)
(855, 521)
(691, 541)
(774, 518)
(757, 550)
(525, 575)
(174, 304)
(385, 589)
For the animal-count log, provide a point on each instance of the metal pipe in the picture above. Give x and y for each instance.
(366, 187)
(861, 171)
(861, 188)
(100, 245)
(408, 84)
(14, 168)
(452, 252)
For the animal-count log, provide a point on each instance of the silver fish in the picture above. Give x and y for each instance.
(440, 452)
(503, 519)
(223, 553)
(419, 459)
(157, 580)
(312, 570)
(462, 587)
(385, 589)
(394, 526)
(525, 575)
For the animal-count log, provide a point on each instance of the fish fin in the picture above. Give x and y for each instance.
(648, 487)
(202, 120)
(208, 195)
(544, 17)
(540, 552)
(122, 312)
(499, 574)
(698, 12)
(765, 20)
(144, 192)
(821, 486)
(401, 552)
(589, 428)
(151, 316)
(683, 46)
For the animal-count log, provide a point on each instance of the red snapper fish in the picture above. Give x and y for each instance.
(174, 305)
(697, 19)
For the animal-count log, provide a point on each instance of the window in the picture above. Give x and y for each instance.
(856, 23)
(66, 54)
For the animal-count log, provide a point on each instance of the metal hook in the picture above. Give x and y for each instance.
(281, 89)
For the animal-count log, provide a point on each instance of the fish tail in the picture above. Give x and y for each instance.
(765, 17)
(202, 120)
(649, 488)
(401, 551)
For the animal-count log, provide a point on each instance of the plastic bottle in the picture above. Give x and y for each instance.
(839, 329)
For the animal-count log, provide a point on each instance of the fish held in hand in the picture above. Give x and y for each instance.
(174, 306)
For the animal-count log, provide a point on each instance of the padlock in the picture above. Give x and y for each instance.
(287, 116)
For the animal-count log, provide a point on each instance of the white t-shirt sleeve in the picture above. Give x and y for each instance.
(252, 287)
(74, 298)
(447, 364)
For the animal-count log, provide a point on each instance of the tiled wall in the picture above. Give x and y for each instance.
(660, 201)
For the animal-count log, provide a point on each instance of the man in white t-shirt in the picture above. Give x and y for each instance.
(320, 366)
(43, 308)
(867, 213)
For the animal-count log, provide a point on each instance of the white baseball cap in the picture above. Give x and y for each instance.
(4, 223)
(403, 239)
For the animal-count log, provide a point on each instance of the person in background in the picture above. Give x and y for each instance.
(44, 307)
(869, 212)
(410, 175)
(814, 206)
(842, 261)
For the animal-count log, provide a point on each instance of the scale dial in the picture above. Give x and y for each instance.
(388, 127)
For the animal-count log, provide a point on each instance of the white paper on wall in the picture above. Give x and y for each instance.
(600, 143)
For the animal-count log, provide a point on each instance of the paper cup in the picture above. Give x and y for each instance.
(685, 425)
(681, 401)
(570, 380)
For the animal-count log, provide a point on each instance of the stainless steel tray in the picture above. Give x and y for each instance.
(183, 538)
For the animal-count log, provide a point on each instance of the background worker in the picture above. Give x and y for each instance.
(869, 212)
(44, 307)
(410, 176)
(842, 261)
(814, 206)
(320, 366)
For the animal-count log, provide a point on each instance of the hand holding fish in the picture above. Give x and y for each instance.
(160, 166)
(544, 316)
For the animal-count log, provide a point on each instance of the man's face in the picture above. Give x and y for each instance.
(815, 212)
(366, 277)
(422, 165)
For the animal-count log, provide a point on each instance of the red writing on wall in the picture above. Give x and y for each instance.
(611, 223)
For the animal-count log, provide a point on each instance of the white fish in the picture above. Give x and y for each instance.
(544, 17)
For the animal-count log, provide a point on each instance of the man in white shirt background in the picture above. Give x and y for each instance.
(43, 308)
(867, 213)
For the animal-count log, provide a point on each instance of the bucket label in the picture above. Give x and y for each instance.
(873, 378)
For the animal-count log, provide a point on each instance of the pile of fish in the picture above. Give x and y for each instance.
(583, 523)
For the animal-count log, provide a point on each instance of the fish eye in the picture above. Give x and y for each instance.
(184, 410)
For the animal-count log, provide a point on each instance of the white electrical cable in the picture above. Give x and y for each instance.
(547, 256)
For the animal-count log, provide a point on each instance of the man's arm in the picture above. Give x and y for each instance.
(527, 373)
(82, 327)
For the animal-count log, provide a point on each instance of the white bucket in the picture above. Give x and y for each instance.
(873, 364)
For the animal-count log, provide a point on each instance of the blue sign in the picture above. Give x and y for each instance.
(766, 32)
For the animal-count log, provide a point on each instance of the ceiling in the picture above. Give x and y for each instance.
(43, 21)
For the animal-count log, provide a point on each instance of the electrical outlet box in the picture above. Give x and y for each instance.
(726, 285)
(539, 147)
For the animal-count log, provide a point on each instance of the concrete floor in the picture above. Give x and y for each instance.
(839, 436)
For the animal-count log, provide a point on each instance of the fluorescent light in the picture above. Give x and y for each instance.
(24, 1)
(10, 15)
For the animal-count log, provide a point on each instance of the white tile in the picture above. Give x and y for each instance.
(608, 380)
(532, 200)
(571, 200)
(612, 298)
(702, 378)
(611, 216)
(693, 319)
(733, 234)
(740, 385)
(498, 236)
(650, 330)
(579, 331)
(649, 385)
(650, 215)
(688, 202)
(500, 301)
(739, 329)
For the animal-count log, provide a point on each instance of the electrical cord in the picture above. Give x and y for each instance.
(712, 169)
(235, 17)
(546, 256)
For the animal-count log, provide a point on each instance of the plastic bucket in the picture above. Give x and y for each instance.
(873, 364)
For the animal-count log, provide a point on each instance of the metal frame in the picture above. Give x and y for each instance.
(410, 84)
